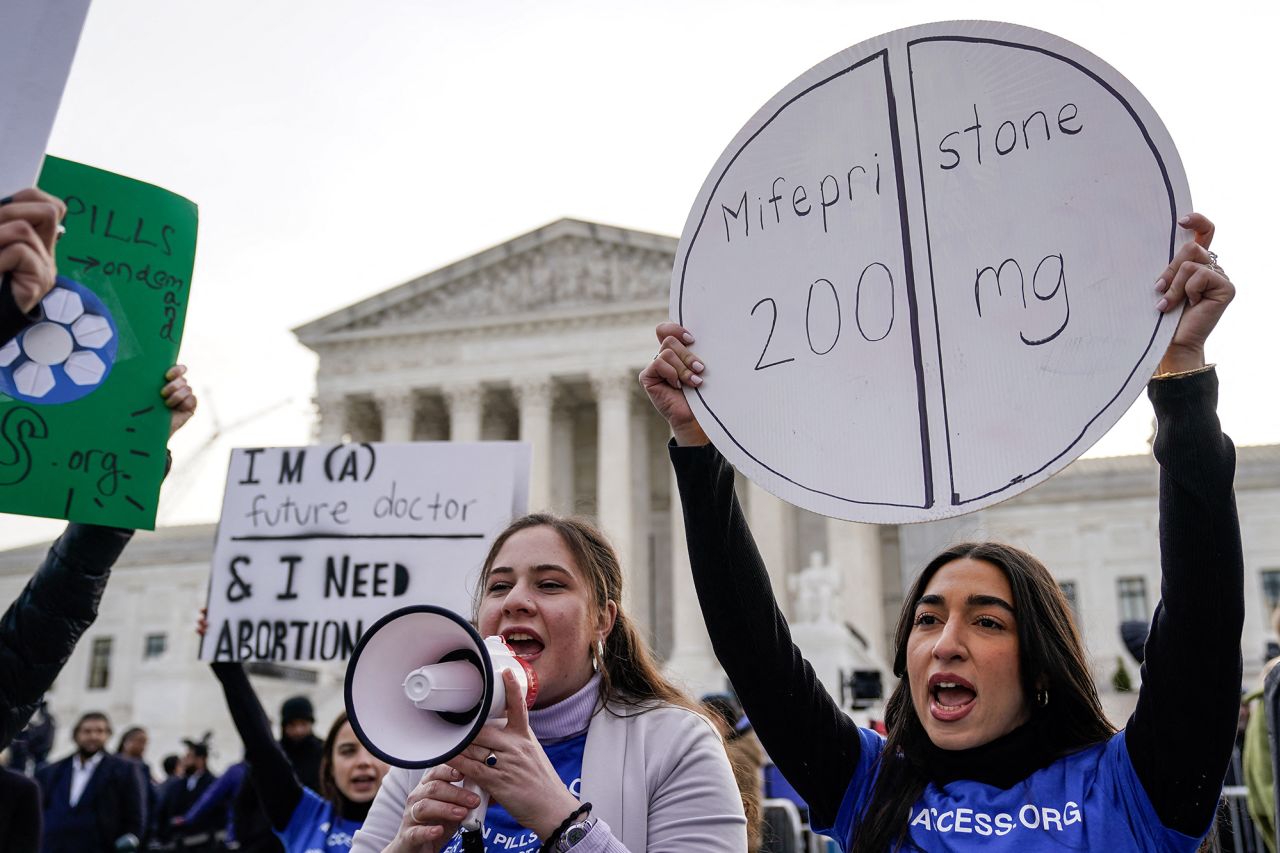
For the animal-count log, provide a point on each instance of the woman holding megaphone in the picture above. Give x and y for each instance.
(996, 736)
(612, 758)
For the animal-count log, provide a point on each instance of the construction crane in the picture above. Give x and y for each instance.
(183, 477)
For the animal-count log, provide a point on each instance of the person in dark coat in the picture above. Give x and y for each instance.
(173, 771)
(29, 750)
(180, 797)
(298, 740)
(133, 748)
(91, 799)
(19, 813)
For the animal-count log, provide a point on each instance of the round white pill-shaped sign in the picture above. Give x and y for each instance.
(922, 276)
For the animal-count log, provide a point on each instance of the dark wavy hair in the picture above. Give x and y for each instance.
(128, 733)
(1050, 655)
(629, 675)
(328, 786)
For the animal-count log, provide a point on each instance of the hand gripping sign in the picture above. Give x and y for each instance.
(82, 425)
(922, 275)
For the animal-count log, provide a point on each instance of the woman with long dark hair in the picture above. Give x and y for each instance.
(996, 737)
(612, 758)
(304, 820)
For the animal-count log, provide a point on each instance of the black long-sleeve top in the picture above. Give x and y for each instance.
(277, 784)
(20, 813)
(1180, 736)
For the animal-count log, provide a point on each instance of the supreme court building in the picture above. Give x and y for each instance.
(541, 339)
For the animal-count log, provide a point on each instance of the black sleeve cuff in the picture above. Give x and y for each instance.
(12, 318)
(91, 549)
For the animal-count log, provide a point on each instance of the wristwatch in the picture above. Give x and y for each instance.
(575, 833)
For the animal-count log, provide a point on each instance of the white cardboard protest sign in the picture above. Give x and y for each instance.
(922, 275)
(315, 544)
(37, 43)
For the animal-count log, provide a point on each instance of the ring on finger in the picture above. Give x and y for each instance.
(1213, 264)
(491, 760)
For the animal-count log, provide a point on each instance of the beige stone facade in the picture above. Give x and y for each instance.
(541, 339)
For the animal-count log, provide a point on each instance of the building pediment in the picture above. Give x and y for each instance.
(565, 266)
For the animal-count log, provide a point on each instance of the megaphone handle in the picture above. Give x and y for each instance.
(475, 818)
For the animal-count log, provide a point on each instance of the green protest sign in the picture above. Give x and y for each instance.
(82, 425)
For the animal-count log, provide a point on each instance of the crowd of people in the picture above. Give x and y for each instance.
(994, 736)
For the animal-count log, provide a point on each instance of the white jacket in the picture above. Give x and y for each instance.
(659, 782)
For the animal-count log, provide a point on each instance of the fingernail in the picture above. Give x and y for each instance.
(687, 338)
(1183, 220)
(455, 773)
(697, 366)
(1161, 285)
(458, 811)
(695, 380)
(1162, 304)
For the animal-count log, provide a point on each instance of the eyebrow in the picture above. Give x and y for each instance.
(976, 600)
(544, 567)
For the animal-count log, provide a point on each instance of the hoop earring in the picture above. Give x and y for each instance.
(1042, 697)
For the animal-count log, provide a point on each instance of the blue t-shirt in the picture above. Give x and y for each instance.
(1091, 800)
(316, 828)
(501, 832)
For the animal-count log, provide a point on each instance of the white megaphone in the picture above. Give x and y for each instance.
(420, 685)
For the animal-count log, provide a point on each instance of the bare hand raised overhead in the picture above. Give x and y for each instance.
(674, 367)
(1195, 278)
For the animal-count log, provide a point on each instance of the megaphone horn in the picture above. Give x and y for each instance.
(420, 685)
(422, 682)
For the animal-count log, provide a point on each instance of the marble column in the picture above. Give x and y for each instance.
(613, 462)
(332, 412)
(772, 523)
(853, 549)
(396, 407)
(692, 661)
(535, 398)
(562, 485)
(466, 404)
(639, 590)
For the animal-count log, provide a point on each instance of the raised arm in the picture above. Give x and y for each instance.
(1181, 734)
(40, 628)
(811, 740)
(277, 784)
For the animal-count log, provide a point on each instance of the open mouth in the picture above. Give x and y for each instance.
(364, 781)
(524, 644)
(951, 697)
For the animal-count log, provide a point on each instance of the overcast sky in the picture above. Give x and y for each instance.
(336, 149)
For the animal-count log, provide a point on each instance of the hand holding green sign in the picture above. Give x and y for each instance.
(83, 428)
